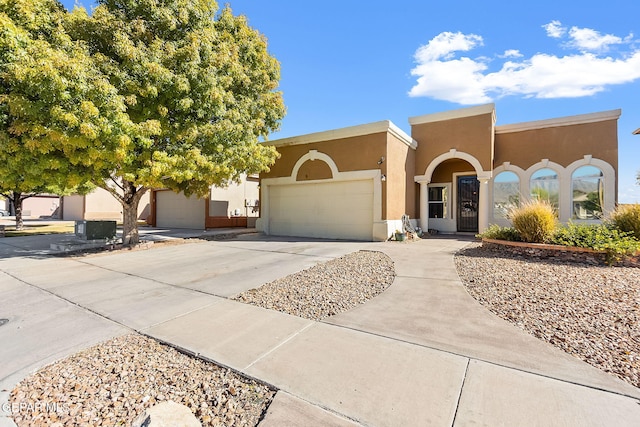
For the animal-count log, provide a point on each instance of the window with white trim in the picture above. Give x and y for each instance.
(545, 185)
(438, 201)
(506, 193)
(587, 189)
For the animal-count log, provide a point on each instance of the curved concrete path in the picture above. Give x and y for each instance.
(422, 353)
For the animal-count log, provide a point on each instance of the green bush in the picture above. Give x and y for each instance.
(494, 231)
(535, 221)
(627, 218)
(617, 244)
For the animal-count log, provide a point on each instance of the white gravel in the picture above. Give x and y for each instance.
(328, 288)
(591, 312)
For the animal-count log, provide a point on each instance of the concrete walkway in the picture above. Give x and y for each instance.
(422, 353)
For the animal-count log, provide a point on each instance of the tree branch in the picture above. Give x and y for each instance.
(114, 193)
(117, 183)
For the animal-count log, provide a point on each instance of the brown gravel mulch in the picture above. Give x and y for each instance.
(113, 383)
(591, 312)
(328, 288)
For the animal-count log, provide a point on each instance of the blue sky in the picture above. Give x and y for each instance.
(352, 62)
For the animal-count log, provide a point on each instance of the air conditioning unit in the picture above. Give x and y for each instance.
(95, 230)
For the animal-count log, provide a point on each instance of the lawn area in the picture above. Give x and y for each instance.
(33, 229)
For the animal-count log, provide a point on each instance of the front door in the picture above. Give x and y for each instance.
(467, 205)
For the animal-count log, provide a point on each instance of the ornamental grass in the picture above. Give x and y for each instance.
(535, 221)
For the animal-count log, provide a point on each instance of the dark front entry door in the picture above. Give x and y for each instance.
(467, 206)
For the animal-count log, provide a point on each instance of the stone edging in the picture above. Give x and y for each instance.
(543, 246)
(557, 252)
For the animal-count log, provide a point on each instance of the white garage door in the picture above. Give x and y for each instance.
(335, 210)
(177, 211)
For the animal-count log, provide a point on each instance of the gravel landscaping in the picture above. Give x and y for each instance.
(112, 384)
(591, 312)
(328, 288)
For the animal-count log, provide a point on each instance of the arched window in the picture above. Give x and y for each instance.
(587, 188)
(506, 193)
(545, 185)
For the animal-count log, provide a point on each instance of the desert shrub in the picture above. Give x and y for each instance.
(617, 244)
(627, 218)
(494, 231)
(535, 221)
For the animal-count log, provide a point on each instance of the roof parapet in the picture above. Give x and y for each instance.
(454, 114)
(347, 132)
(561, 121)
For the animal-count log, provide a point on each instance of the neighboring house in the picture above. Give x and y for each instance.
(99, 205)
(457, 172)
(39, 206)
(234, 206)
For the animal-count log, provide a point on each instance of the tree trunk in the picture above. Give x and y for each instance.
(130, 201)
(17, 205)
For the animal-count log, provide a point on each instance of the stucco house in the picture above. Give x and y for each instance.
(236, 205)
(456, 172)
(38, 206)
(98, 205)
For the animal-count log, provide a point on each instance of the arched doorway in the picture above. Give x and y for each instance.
(454, 194)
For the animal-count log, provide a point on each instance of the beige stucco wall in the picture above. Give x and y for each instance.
(444, 172)
(100, 205)
(73, 208)
(40, 206)
(312, 169)
(349, 154)
(399, 185)
(359, 153)
(562, 145)
(233, 198)
(472, 135)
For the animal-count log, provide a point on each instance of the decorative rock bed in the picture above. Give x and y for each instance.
(554, 252)
(114, 383)
(326, 289)
(590, 311)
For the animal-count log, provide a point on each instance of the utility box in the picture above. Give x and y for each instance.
(95, 230)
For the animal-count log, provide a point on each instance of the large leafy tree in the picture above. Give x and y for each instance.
(199, 80)
(60, 118)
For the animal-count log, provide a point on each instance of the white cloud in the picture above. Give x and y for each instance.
(441, 74)
(445, 44)
(591, 40)
(511, 53)
(555, 29)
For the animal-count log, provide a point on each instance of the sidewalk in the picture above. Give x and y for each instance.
(421, 353)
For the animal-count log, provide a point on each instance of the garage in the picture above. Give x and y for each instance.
(342, 209)
(177, 211)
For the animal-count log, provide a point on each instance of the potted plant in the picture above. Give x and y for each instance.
(400, 236)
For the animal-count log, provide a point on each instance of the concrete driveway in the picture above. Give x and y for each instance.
(422, 353)
(57, 306)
